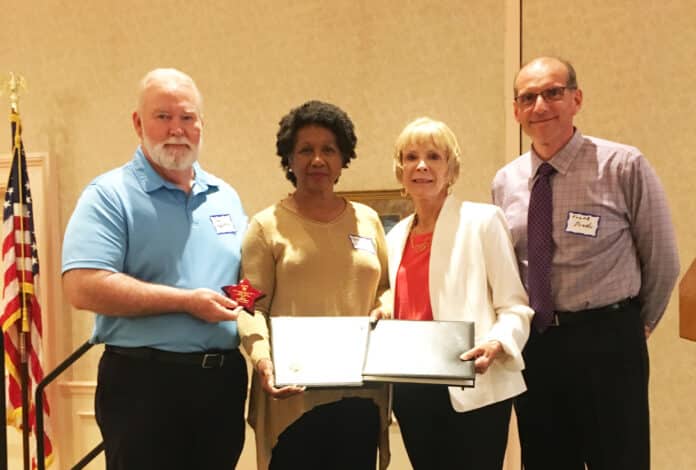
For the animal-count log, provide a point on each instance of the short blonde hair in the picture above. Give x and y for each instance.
(425, 129)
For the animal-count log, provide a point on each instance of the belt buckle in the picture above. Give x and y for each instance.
(554, 320)
(212, 360)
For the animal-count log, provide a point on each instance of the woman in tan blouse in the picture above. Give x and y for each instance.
(314, 254)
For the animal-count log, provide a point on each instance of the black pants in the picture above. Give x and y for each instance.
(342, 435)
(587, 398)
(155, 415)
(436, 437)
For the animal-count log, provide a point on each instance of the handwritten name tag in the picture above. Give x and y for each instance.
(223, 224)
(363, 243)
(582, 224)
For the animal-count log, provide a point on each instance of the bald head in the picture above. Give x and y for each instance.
(167, 79)
(546, 101)
(541, 63)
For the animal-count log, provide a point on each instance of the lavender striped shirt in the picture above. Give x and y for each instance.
(611, 225)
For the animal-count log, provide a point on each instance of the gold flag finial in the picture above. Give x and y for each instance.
(14, 86)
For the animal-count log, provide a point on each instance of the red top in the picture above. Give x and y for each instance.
(412, 298)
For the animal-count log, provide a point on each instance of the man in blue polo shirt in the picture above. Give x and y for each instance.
(148, 248)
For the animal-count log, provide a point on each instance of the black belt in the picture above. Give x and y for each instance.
(583, 316)
(206, 360)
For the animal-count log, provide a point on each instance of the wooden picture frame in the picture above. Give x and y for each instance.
(389, 204)
(687, 304)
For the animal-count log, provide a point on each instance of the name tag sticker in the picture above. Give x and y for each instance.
(223, 224)
(363, 243)
(582, 224)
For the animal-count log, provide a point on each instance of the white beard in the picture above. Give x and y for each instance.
(172, 158)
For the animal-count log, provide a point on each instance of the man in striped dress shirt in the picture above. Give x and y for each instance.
(613, 266)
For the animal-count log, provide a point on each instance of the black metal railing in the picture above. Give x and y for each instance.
(50, 377)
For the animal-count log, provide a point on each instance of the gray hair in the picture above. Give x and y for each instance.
(169, 75)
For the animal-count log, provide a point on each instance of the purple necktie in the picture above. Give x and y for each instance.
(540, 248)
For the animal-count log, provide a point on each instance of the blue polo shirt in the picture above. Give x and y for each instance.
(131, 220)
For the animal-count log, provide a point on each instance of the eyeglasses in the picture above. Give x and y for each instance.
(556, 93)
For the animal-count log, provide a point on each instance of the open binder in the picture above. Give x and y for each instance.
(349, 351)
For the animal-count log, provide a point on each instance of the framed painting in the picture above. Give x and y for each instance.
(389, 204)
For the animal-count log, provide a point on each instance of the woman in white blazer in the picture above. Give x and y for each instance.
(454, 260)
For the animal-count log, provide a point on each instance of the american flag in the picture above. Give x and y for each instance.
(21, 314)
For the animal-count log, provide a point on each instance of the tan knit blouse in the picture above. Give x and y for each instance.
(309, 268)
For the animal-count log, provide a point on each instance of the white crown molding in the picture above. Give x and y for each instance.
(78, 387)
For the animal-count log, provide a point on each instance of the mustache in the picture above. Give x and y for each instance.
(177, 141)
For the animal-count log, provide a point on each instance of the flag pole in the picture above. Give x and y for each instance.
(23, 354)
(21, 313)
(11, 86)
(14, 85)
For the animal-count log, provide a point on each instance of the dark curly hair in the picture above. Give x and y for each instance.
(315, 113)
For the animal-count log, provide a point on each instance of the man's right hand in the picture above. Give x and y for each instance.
(212, 307)
(265, 370)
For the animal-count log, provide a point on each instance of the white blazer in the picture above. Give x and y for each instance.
(473, 276)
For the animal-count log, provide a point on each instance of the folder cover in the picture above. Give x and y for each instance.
(420, 352)
(319, 351)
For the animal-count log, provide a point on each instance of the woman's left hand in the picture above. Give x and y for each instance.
(377, 314)
(483, 355)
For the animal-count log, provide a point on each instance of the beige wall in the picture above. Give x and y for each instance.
(385, 62)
